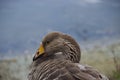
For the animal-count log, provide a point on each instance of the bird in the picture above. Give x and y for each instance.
(58, 58)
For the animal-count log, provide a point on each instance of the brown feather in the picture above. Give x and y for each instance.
(62, 66)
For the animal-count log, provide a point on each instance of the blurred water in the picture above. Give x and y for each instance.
(23, 23)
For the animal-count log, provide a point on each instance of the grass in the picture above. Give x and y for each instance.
(105, 59)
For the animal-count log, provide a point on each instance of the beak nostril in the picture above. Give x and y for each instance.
(37, 53)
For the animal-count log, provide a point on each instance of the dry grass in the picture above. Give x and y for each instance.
(105, 59)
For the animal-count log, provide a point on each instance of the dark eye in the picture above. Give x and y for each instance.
(47, 42)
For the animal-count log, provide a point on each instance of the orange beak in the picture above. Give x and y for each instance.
(39, 52)
(41, 49)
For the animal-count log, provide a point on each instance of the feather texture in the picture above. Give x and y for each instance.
(56, 69)
(60, 61)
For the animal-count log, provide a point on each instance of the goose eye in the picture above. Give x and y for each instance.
(47, 42)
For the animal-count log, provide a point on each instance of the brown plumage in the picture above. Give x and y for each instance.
(58, 59)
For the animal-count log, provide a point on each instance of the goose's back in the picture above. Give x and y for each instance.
(63, 70)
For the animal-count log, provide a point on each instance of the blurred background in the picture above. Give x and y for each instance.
(95, 24)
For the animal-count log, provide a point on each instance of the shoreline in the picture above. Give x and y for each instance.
(102, 43)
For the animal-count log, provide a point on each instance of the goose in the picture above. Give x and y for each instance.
(58, 58)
